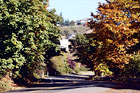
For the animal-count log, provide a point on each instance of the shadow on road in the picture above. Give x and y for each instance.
(60, 83)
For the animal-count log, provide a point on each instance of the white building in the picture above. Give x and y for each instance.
(83, 21)
(64, 44)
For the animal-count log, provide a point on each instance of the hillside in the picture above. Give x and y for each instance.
(65, 30)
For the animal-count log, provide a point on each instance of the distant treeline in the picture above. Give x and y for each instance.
(66, 22)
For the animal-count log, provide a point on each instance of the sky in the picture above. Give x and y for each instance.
(75, 9)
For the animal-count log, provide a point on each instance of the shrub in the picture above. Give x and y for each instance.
(4, 86)
(71, 63)
(5, 83)
(59, 63)
(133, 68)
(77, 70)
(83, 68)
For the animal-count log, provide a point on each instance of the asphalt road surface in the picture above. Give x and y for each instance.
(69, 84)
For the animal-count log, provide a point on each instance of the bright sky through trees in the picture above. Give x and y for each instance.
(75, 9)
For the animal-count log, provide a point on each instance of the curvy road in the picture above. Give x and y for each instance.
(70, 84)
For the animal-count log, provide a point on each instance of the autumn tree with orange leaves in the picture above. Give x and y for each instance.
(115, 31)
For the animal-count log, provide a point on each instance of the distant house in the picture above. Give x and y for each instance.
(64, 44)
(78, 22)
(82, 21)
(65, 41)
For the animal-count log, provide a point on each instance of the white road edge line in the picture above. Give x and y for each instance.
(51, 80)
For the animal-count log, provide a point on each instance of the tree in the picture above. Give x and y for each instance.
(83, 50)
(72, 23)
(115, 31)
(27, 32)
(67, 22)
(62, 19)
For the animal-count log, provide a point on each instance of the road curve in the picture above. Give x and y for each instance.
(67, 84)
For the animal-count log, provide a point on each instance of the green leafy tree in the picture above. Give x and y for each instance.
(27, 32)
(83, 49)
